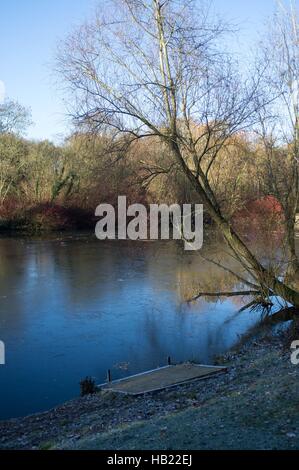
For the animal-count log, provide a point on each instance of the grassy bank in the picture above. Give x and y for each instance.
(254, 406)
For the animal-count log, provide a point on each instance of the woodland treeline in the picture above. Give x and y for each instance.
(87, 170)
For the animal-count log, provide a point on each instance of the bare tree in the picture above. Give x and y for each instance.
(156, 68)
(14, 118)
(279, 122)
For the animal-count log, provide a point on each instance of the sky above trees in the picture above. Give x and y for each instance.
(31, 29)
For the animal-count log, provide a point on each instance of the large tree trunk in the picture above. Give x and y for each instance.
(266, 280)
(293, 267)
(292, 273)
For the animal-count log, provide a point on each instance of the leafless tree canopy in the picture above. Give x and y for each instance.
(157, 68)
(130, 73)
(13, 117)
(279, 118)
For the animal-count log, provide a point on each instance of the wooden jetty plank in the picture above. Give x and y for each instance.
(164, 377)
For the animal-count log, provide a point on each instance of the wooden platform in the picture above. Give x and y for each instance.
(164, 377)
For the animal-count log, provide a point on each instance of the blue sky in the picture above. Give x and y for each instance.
(31, 29)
